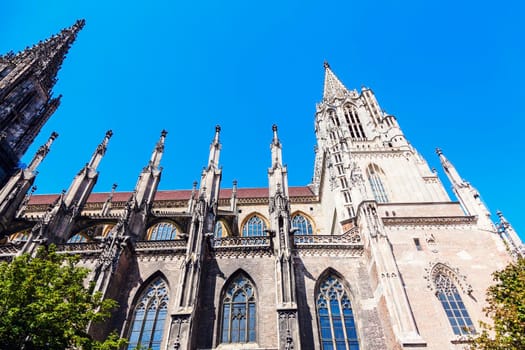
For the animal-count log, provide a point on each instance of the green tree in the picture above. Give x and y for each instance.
(45, 305)
(506, 308)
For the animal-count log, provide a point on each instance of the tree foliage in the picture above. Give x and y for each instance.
(506, 308)
(45, 305)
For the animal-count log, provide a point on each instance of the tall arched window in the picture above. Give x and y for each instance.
(303, 225)
(354, 124)
(255, 226)
(375, 173)
(149, 316)
(163, 231)
(452, 303)
(335, 316)
(238, 311)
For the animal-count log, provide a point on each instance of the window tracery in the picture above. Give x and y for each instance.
(303, 225)
(455, 309)
(163, 231)
(238, 311)
(254, 226)
(335, 316)
(149, 317)
(354, 124)
(78, 238)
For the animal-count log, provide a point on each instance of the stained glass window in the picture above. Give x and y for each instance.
(219, 230)
(163, 231)
(78, 238)
(453, 305)
(337, 329)
(303, 224)
(149, 316)
(238, 312)
(255, 226)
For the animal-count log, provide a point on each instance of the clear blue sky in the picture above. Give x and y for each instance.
(451, 71)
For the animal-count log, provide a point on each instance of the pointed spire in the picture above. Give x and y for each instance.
(42, 153)
(191, 201)
(233, 201)
(156, 156)
(50, 54)
(100, 151)
(215, 148)
(510, 236)
(276, 149)
(450, 170)
(333, 87)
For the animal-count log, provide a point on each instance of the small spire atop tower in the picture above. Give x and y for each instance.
(277, 157)
(100, 151)
(156, 156)
(333, 87)
(42, 153)
(215, 148)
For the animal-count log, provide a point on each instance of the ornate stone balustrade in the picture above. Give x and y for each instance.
(167, 246)
(80, 248)
(241, 242)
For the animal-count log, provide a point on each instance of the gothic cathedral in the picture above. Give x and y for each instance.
(373, 254)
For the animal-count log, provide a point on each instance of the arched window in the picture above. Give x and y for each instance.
(238, 311)
(375, 173)
(335, 316)
(303, 224)
(78, 238)
(354, 124)
(255, 226)
(163, 231)
(149, 316)
(456, 311)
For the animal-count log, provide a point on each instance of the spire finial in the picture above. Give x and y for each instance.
(275, 136)
(439, 151)
(42, 152)
(100, 151)
(326, 65)
(217, 132)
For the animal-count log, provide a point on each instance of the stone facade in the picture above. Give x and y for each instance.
(373, 254)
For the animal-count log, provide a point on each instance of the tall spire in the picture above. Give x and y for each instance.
(100, 151)
(48, 55)
(333, 87)
(26, 101)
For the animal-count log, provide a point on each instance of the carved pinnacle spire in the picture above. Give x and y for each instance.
(49, 54)
(107, 204)
(100, 151)
(449, 169)
(332, 85)
(42, 153)
(276, 149)
(156, 156)
(215, 148)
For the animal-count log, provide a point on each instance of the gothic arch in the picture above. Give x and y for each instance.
(336, 324)
(436, 268)
(150, 303)
(306, 216)
(238, 310)
(88, 232)
(266, 223)
(158, 230)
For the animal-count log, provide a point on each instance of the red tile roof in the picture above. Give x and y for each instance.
(175, 195)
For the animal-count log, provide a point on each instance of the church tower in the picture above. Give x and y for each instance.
(26, 103)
